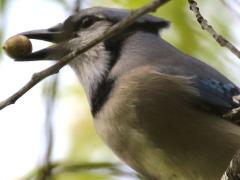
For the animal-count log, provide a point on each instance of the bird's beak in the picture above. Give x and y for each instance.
(55, 35)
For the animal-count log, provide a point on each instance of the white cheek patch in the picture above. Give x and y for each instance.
(91, 67)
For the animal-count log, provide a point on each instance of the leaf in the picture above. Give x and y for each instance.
(131, 4)
(2, 5)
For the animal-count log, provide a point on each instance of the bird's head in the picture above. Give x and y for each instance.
(83, 27)
(95, 64)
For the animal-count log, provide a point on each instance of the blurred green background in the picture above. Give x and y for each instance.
(84, 146)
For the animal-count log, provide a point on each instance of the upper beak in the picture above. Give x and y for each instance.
(54, 34)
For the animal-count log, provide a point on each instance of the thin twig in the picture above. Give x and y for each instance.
(77, 6)
(63, 167)
(205, 26)
(233, 170)
(117, 28)
(50, 94)
(220, 39)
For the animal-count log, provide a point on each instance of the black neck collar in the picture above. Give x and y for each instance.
(113, 46)
(102, 92)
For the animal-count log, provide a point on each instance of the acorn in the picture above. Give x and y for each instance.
(18, 46)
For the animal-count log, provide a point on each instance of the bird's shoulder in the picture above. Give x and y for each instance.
(148, 86)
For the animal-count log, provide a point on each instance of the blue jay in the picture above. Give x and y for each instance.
(161, 111)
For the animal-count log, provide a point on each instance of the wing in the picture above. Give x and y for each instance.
(218, 96)
(215, 93)
(167, 108)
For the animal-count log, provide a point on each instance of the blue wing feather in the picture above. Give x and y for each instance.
(217, 95)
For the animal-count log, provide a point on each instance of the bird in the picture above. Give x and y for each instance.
(161, 111)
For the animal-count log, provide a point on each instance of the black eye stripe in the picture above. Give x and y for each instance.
(87, 21)
(74, 24)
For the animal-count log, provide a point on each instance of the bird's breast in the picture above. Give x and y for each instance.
(116, 125)
(157, 131)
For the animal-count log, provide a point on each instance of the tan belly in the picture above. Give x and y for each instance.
(132, 146)
(163, 137)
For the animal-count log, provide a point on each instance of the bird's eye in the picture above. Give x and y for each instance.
(87, 22)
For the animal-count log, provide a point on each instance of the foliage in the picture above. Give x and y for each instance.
(2, 5)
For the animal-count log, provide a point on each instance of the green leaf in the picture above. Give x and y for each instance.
(131, 4)
(2, 5)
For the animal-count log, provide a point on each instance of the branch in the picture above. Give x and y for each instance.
(77, 6)
(50, 93)
(66, 167)
(235, 113)
(205, 26)
(233, 170)
(117, 28)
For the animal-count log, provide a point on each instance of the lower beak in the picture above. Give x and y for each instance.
(55, 35)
